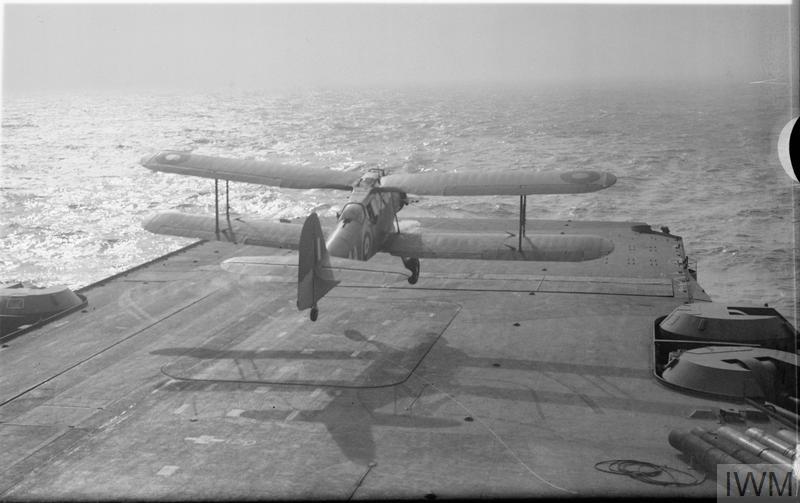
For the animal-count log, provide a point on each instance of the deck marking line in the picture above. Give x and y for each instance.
(127, 303)
(282, 371)
(282, 334)
(204, 439)
(168, 470)
(361, 480)
(234, 413)
(292, 415)
(117, 343)
(180, 409)
(386, 323)
(355, 353)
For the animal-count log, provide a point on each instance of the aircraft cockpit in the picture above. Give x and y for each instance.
(352, 212)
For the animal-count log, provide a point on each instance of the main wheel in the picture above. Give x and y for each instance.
(314, 313)
(413, 265)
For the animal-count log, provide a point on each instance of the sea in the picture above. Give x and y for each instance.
(699, 159)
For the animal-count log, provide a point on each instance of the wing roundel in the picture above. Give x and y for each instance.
(488, 183)
(250, 171)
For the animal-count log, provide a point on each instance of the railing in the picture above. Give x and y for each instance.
(691, 266)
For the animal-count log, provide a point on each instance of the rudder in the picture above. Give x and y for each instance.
(314, 274)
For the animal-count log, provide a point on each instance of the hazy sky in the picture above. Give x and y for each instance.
(217, 47)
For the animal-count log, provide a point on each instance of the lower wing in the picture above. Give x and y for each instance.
(485, 246)
(242, 230)
(448, 245)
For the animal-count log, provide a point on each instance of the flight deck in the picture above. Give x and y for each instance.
(180, 380)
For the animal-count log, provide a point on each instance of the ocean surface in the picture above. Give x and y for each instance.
(701, 160)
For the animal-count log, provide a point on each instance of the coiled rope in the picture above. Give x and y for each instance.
(649, 473)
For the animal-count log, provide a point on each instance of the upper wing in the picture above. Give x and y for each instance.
(485, 246)
(260, 172)
(486, 183)
(260, 232)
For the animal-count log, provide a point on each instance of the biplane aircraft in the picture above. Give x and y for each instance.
(368, 223)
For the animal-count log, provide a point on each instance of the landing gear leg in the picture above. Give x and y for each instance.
(314, 313)
(412, 264)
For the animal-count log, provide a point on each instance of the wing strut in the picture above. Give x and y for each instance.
(523, 211)
(232, 237)
(216, 207)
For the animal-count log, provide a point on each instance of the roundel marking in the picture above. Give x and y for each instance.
(581, 176)
(172, 158)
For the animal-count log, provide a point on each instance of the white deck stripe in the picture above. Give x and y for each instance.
(168, 470)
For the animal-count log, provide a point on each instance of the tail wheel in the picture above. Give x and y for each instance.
(314, 313)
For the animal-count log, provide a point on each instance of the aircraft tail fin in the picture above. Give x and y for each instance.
(314, 274)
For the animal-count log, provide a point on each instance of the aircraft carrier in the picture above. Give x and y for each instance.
(178, 380)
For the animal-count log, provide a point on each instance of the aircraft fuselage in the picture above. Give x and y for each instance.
(366, 221)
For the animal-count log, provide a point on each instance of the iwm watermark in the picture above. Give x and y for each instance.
(762, 482)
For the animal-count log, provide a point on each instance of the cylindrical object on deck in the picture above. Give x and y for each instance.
(752, 446)
(726, 446)
(782, 412)
(771, 442)
(790, 436)
(704, 454)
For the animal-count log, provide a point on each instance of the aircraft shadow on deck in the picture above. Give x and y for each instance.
(427, 389)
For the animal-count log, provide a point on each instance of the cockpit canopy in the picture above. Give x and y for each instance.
(353, 212)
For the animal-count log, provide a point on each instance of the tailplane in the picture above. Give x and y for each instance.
(314, 274)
